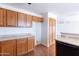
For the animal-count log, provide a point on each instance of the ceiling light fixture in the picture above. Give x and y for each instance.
(29, 3)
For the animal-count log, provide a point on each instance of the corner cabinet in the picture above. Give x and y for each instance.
(2, 17)
(8, 48)
(11, 18)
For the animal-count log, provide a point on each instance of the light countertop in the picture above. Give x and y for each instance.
(72, 41)
(14, 36)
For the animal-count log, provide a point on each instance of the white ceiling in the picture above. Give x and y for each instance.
(57, 8)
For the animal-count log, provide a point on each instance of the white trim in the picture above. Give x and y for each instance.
(45, 45)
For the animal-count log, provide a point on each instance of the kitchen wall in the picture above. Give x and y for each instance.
(37, 31)
(44, 30)
(9, 30)
(68, 24)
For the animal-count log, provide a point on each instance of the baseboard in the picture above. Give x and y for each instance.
(42, 45)
(45, 45)
(38, 44)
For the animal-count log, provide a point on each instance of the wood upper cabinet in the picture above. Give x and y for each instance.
(8, 48)
(22, 46)
(31, 43)
(2, 17)
(11, 18)
(22, 20)
(29, 21)
(40, 19)
(37, 19)
(17, 47)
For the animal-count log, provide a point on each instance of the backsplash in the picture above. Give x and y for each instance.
(70, 35)
(9, 30)
(17, 30)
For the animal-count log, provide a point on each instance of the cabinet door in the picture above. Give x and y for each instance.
(8, 48)
(2, 17)
(22, 20)
(40, 19)
(37, 19)
(52, 31)
(0, 49)
(21, 46)
(34, 19)
(11, 18)
(31, 43)
(29, 21)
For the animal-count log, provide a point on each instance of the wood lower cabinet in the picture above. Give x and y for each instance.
(25, 45)
(22, 46)
(11, 18)
(16, 47)
(31, 43)
(2, 17)
(8, 48)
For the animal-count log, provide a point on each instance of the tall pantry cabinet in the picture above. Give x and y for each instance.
(49, 34)
(52, 36)
(52, 31)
